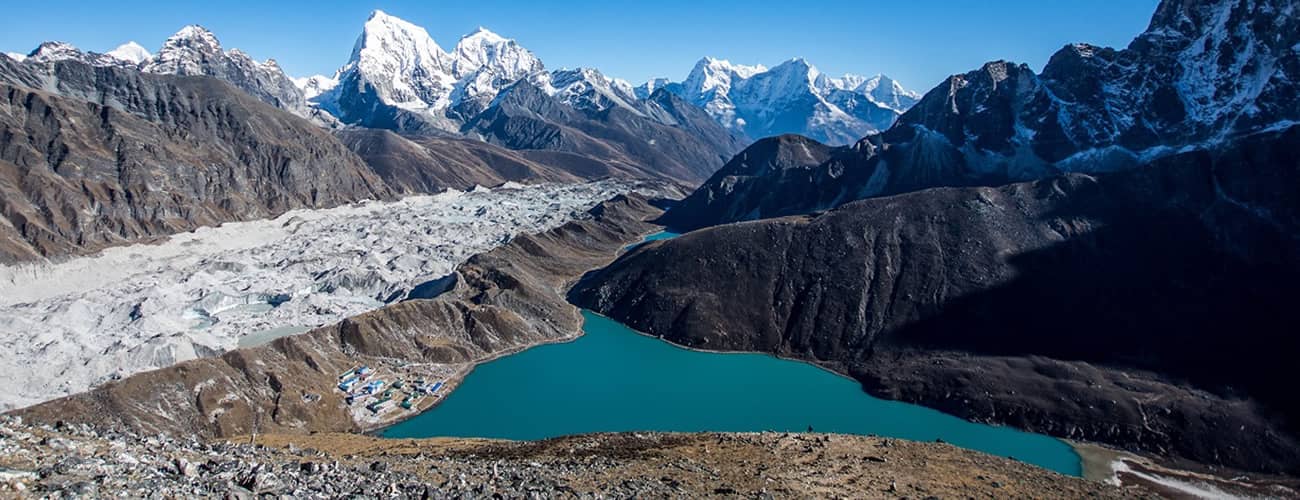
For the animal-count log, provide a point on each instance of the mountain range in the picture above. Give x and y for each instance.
(397, 77)
(174, 126)
(1197, 77)
(791, 98)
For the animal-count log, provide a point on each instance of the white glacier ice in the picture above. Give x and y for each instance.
(69, 326)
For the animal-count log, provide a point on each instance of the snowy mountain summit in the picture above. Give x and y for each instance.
(131, 52)
(195, 51)
(51, 52)
(191, 51)
(399, 78)
(792, 97)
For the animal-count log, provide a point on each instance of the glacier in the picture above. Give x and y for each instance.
(72, 325)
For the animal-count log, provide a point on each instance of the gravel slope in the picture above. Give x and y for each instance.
(75, 460)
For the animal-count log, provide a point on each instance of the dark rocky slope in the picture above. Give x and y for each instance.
(103, 155)
(412, 164)
(524, 117)
(1150, 309)
(1202, 73)
(507, 299)
(428, 164)
(771, 176)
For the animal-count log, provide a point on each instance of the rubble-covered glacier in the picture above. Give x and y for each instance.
(72, 325)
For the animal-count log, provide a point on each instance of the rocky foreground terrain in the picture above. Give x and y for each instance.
(77, 461)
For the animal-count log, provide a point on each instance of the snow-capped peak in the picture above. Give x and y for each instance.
(793, 96)
(887, 92)
(645, 90)
(131, 52)
(712, 75)
(187, 52)
(741, 70)
(796, 71)
(589, 89)
(315, 85)
(391, 43)
(55, 51)
(16, 56)
(192, 36)
(484, 34)
(485, 50)
(402, 63)
(50, 52)
(848, 82)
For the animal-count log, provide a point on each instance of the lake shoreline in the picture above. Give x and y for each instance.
(892, 419)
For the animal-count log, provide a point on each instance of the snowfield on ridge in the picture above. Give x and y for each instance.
(72, 325)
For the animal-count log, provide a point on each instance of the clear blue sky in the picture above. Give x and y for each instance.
(918, 42)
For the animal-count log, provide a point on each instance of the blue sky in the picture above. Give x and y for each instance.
(918, 42)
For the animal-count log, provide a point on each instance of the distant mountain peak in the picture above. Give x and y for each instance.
(484, 34)
(391, 44)
(483, 49)
(131, 51)
(195, 51)
(315, 85)
(888, 92)
(645, 90)
(791, 97)
(191, 35)
(53, 51)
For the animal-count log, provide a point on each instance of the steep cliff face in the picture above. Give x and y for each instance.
(506, 299)
(103, 155)
(1201, 74)
(1147, 308)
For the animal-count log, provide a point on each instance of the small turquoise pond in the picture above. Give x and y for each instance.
(662, 235)
(615, 379)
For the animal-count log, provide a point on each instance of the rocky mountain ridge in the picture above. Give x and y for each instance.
(103, 155)
(193, 51)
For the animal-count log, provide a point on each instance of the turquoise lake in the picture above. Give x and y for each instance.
(615, 379)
